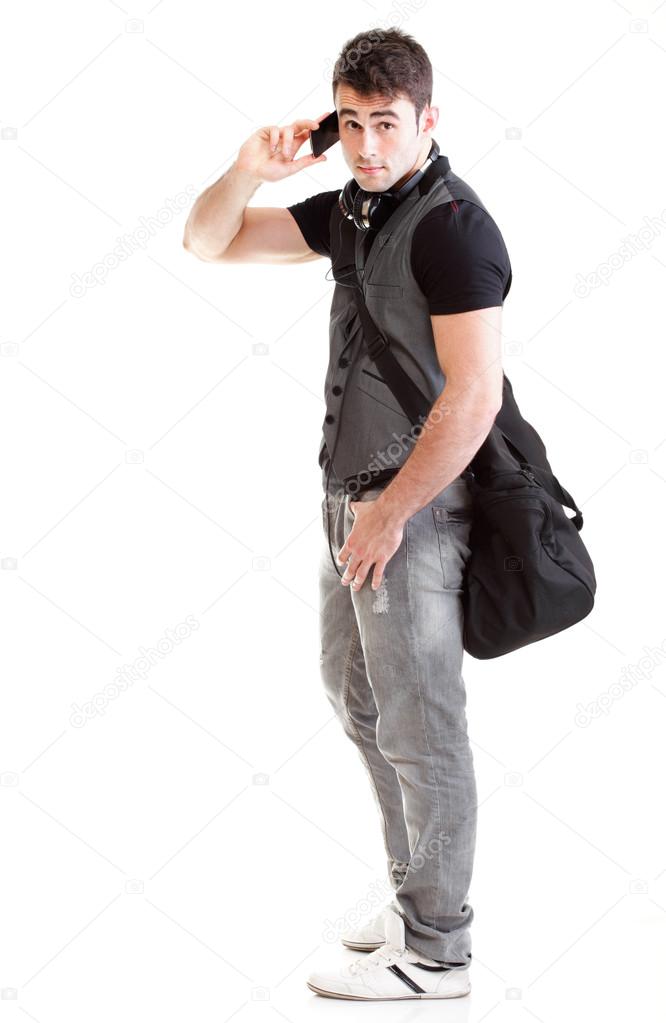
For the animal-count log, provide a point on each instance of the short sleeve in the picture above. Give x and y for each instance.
(313, 216)
(459, 259)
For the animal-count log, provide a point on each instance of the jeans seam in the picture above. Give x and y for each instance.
(442, 553)
(425, 730)
(358, 739)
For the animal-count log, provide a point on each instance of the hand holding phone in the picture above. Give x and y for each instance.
(268, 154)
(326, 135)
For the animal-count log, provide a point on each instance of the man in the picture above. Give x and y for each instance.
(391, 625)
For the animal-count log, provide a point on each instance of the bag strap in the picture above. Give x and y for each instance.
(548, 481)
(416, 405)
(411, 399)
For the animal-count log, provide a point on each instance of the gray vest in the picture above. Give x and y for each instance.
(365, 431)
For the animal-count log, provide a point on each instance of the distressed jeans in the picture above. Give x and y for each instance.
(391, 663)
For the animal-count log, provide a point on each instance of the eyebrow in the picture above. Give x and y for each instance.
(376, 113)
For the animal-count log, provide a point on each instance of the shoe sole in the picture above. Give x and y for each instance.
(384, 998)
(362, 946)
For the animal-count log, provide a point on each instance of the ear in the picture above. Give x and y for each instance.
(430, 118)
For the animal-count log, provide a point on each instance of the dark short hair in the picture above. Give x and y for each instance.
(385, 61)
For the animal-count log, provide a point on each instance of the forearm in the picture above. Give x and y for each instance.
(456, 427)
(217, 215)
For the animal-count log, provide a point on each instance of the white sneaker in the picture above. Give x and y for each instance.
(370, 936)
(393, 971)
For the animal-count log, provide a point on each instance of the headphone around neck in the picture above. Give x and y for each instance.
(372, 209)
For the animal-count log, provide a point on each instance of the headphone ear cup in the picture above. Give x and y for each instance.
(380, 209)
(357, 209)
(352, 198)
(380, 205)
(348, 195)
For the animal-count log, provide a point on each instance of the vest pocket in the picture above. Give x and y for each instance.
(383, 290)
(375, 387)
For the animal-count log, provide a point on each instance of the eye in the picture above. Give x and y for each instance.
(355, 124)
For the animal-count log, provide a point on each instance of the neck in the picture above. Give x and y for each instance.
(422, 157)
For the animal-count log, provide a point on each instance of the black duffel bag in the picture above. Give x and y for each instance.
(529, 574)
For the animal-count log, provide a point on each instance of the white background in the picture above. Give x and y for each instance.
(189, 851)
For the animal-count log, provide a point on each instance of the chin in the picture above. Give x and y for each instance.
(371, 182)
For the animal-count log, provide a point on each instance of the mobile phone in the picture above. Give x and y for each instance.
(326, 135)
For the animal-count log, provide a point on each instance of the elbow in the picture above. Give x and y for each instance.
(484, 410)
(489, 413)
(199, 253)
(187, 242)
(481, 402)
(190, 243)
(493, 409)
(488, 403)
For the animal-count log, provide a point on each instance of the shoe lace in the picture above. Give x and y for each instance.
(386, 955)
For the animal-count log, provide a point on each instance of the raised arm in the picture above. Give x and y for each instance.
(221, 228)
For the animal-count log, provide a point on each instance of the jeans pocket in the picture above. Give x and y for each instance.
(457, 498)
(453, 523)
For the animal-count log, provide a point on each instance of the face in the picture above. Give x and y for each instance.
(379, 137)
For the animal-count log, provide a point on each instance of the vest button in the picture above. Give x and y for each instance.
(343, 361)
(336, 390)
(330, 418)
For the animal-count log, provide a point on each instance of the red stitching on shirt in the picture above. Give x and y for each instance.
(455, 205)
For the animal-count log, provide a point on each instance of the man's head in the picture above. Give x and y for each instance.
(382, 88)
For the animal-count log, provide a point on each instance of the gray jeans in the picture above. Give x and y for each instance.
(391, 666)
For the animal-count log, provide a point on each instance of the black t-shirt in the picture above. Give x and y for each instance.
(458, 258)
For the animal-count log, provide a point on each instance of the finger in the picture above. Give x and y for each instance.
(352, 570)
(300, 137)
(377, 574)
(288, 140)
(347, 577)
(307, 122)
(273, 137)
(360, 578)
(305, 127)
(305, 161)
(303, 130)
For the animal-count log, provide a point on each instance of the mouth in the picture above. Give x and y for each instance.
(370, 170)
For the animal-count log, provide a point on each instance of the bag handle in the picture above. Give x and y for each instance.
(548, 481)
